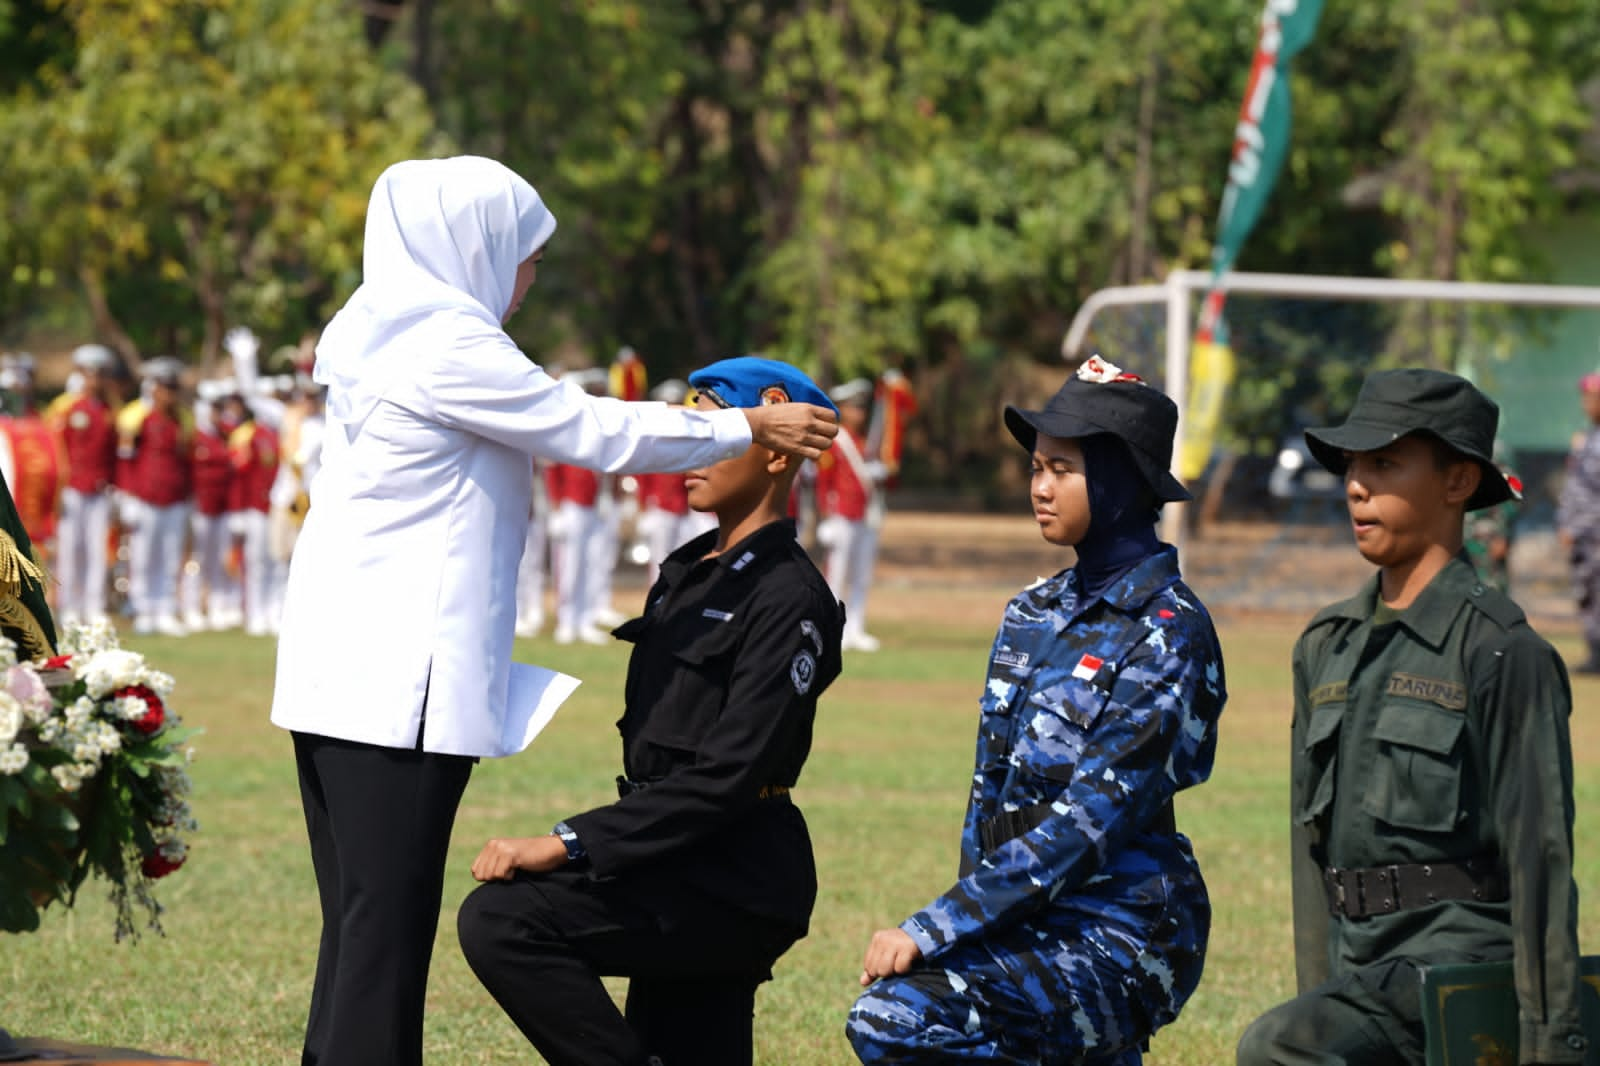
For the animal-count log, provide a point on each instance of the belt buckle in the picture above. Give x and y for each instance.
(1333, 878)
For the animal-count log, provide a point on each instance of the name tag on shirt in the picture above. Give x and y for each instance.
(721, 616)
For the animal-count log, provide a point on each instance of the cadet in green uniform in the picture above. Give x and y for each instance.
(1432, 770)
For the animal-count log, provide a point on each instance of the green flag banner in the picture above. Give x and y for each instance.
(1260, 143)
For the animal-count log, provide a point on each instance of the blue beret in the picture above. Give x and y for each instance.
(751, 381)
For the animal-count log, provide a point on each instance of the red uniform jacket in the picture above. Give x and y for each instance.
(254, 450)
(88, 435)
(664, 492)
(36, 456)
(839, 488)
(571, 484)
(153, 455)
(213, 474)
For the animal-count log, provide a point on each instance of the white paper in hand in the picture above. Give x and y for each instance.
(531, 702)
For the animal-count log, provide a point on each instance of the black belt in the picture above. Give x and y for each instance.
(627, 787)
(1008, 825)
(1360, 892)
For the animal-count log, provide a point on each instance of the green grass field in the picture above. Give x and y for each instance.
(883, 792)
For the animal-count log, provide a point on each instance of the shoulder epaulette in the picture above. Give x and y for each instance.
(130, 420)
(1330, 613)
(1497, 607)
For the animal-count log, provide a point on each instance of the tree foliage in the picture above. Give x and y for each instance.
(197, 162)
(850, 184)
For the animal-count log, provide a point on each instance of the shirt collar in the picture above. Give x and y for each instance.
(1432, 613)
(1127, 593)
(764, 541)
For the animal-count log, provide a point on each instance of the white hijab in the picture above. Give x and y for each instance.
(444, 238)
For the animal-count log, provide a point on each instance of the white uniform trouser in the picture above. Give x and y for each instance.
(155, 556)
(81, 562)
(261, 585)
(849, 565)
(530, 576)
(572, 554)
(601, 559)
(208, 590)
(661, 531)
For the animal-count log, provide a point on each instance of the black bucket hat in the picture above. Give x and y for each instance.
(1102, 400)
(1397, 403)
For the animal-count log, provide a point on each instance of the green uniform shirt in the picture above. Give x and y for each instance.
(1432, 734)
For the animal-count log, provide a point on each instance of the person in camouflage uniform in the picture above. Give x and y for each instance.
(1489, 531)
(1578, 520)
(1431, 766)
(1078, 924)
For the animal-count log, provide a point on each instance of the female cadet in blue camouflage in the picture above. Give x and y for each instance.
(1078, 925)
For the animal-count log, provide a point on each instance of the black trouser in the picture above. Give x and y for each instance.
(541, 943)
(1371, 1016)
(379, 821)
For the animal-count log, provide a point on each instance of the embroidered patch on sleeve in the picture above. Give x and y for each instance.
(803, 671)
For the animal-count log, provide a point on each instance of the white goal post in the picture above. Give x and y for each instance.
(1181, 285)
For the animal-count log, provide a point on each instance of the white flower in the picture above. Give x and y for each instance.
(10, 718)
(67, 776)
(108, 738)
(79, 714)
(8, 652)
(14, 760)
(128, 708)
(85, 640)
(106, 671)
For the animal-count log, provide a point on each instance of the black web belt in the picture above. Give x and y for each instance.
(627, 787)
(1361, 892)
(1008, 825)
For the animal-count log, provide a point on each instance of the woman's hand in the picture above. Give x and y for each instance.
(793, 428)
(500, 858)
(892, 951)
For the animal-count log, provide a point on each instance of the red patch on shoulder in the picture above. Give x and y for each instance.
(1164, 613)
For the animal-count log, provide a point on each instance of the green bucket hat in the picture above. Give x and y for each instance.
(1396, 403)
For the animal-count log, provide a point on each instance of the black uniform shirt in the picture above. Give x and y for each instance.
(728, 661)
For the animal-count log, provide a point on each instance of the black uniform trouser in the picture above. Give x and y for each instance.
(379, 821)
(1371, 1016)
(541, 943)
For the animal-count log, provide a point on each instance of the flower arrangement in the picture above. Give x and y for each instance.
(93, 779)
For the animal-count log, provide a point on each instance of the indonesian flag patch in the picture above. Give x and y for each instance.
(1087, 667)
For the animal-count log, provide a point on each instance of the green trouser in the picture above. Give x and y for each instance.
(1368, 1017)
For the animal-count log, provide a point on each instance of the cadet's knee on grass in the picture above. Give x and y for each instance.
(488, 920)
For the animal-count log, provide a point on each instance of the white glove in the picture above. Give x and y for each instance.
(237, 523)
(831, 531)
(242, 343)
(130, 509)
(877, 472)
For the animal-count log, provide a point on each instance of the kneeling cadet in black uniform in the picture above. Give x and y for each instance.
(701, 874)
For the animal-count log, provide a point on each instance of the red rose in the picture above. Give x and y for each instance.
(155, 713)
(157, 865)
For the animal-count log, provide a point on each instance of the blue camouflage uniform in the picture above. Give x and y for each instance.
(1078, 937)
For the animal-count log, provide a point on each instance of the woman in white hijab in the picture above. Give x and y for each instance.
(395, 656)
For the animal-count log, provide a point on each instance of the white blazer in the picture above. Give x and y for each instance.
(402, 588)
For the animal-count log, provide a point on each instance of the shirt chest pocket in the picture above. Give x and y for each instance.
(1416, 781)
(1055, 724)
(698, 667)
(1319, 752)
